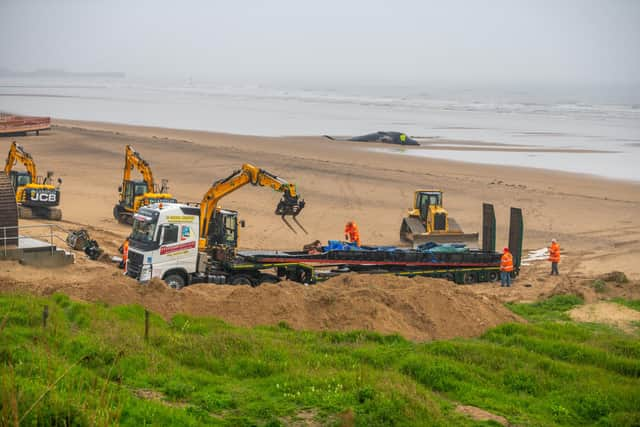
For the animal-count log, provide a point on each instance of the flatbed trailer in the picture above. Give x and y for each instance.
(170, 253)
(469, 267)
(465, 267)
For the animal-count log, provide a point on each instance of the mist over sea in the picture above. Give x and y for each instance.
(603, 119)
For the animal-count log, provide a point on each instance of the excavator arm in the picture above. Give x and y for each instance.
(17, 154)
(290, 203)
(134, 160)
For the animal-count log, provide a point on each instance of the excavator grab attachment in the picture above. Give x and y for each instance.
(291, 206)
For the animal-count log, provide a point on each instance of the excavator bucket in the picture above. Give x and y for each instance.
(412, 230)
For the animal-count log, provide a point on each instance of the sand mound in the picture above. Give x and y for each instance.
(418, 309)
(606, 312)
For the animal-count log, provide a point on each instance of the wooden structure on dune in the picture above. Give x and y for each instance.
(11, 124)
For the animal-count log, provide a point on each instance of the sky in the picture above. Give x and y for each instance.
(578, 42)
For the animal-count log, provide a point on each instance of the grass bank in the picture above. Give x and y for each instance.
(91, 365)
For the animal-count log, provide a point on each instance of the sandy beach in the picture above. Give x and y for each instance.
(594, 219)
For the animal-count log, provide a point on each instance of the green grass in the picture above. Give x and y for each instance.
(631, 303)
(200, 371)
(554, 308)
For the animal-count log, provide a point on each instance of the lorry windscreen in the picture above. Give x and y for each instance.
(144, 226)
(143, 230)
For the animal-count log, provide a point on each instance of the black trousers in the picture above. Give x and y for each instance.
(554, 268)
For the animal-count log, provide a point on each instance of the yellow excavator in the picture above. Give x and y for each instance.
(429, 221)
(36, 196)
(136, 193)
(211, 215)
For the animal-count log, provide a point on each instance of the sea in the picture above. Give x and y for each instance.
(599, 127)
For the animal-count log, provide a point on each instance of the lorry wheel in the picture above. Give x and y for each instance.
(470, 278)
(241, 279)
(493, 276)
(175, 281)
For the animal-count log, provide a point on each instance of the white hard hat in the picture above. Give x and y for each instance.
(553, 240)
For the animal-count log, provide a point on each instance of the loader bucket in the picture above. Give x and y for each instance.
(469, 239)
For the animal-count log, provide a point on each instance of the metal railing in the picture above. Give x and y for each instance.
(48, 235)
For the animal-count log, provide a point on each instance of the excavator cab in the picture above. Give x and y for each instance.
(19, 179)
(223, 229)
(136, 194)
(131, 190)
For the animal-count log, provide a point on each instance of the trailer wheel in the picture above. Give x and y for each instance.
(241, 279)
(493, 276)
(470, 278)
(175, 281)
(268, 278)
(450, 276)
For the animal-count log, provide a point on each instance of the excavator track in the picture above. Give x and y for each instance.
(54, 214)
(25, 212)
(8, 212)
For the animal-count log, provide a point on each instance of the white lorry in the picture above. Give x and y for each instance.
(183, 244)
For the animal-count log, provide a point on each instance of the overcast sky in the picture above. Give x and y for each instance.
(339, 41)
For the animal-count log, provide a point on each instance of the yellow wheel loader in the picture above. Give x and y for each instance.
(429, 221)
(36, 196)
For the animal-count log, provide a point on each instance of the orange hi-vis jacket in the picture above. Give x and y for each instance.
(352, 232)
(554, 252)
(506, 262)
(125, 252)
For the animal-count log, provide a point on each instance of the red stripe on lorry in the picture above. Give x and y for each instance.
(175, 248)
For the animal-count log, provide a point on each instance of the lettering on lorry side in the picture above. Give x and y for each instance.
(180, 218)
(166, 250)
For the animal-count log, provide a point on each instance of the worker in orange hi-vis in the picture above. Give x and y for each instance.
(351, 233)
(125, 254)
(554, 256)
(506, 267)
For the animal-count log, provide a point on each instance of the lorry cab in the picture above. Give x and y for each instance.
(163, 239)
(164, 242)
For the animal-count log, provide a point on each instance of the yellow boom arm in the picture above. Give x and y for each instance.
(248, 174)
(133, 159)
(17, 154)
